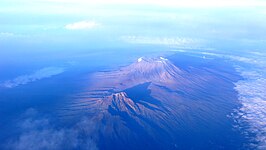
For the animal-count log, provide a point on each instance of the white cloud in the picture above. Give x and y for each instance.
(38, 75)
(6, 34)
(243, 59)
(82, 25)
(9, 35)
(252, 112)
(37, 132)
(250, 117)
(168, 41)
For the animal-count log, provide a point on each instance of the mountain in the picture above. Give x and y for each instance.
(151, 70)
(159, 71)
(153, 104)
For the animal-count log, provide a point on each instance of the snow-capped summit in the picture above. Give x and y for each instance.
(163, 58)
(159, 71)
(144, 59)
(151, 69)
(140, 59)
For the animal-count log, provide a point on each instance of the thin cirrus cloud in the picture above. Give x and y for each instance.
(6, 34)
(37, 75)
(247, 60)
(82, 25)
(168, 41)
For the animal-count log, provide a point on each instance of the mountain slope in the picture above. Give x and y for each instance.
(153, 100)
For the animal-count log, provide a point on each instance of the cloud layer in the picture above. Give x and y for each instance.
(38, 133)
(168, 41)
(253, 98)
(38, 75)
(250, 117)
(82, 25)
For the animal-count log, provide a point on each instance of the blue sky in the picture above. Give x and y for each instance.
(202, 23)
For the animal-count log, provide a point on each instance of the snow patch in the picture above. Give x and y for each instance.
(140, 59)
(163, 58)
